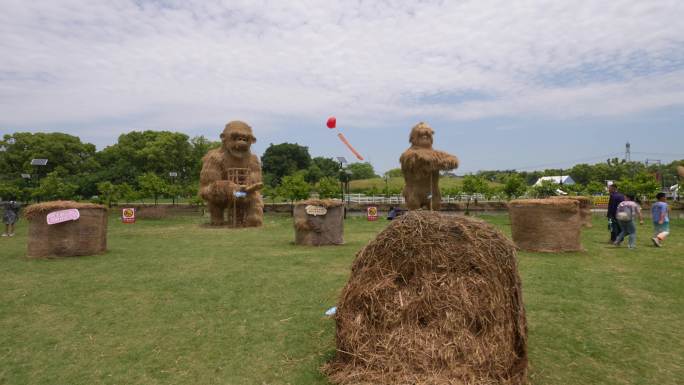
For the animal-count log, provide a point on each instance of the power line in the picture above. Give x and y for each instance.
(575, 161)
(657, 153)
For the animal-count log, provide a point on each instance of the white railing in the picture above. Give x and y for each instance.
(398, 199)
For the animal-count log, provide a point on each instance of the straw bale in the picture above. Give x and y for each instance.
(85, 236)
(319, 230)
(45, 207)
(546, 225)
(585, 204)
(433, 299)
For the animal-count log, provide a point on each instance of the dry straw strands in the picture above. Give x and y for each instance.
(47, 207)
(432, 299)
(426, 160)
(546, 225)
(85, 236)
(319, 230)
(585, 204)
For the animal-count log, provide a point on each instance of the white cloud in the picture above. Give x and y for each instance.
(188, 64)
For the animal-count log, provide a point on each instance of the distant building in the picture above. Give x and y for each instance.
(563, 179)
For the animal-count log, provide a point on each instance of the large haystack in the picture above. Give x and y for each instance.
(319, 222)
(432, 300)
(546, 225)
(585, 204)
(84, 236)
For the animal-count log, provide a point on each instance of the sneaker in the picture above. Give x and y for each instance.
(616, 244)
(656, 241)
(11, 235)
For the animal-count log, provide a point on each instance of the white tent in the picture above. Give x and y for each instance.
(562, 179)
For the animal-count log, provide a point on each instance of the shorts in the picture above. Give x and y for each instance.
(658, 228)
(10, 218)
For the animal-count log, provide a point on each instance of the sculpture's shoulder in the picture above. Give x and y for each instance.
(214, 156)
(254, 161)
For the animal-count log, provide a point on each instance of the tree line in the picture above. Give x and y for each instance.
(156, 164)
(148, 165)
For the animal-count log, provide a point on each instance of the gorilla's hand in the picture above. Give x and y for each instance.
(225, 188)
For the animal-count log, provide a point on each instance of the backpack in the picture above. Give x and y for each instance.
(624, 213)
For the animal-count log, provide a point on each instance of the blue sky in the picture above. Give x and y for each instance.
(522, 84)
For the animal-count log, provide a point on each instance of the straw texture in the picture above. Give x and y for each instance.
(546, 225)
(85, 236)
(432, 299)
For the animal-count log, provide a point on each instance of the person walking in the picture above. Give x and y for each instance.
(661, 219)
(616, 198)
(626, 213)
(10, 217)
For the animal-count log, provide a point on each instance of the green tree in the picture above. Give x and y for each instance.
(595, 188)
(395, 173)
(74, 160)
(361, 171)
(313, 174)
(108, 192)
(473, 184)
(328, 166)
(159, 152)
(9, 191)
(284, 159)
(544, 189)
(642, 184)
(329, 187)
(151, 185)
(294, 187)
(514, 186)
(54, 187)
(199, 147)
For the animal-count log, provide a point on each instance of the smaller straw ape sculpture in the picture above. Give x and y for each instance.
(420, 165)
(231, 179)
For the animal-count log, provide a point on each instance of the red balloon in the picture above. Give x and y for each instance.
(332, 122)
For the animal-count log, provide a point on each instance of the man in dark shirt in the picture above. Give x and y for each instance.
(615, 199)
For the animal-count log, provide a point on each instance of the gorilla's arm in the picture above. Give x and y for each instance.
(212, 187)
(427, 160)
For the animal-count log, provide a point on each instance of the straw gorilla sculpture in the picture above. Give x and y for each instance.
(231, 179)
(420, 165)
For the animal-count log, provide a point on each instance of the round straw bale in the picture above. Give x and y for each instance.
(324, 225)
(546, 225)
(84, 236)
(585, 204)
(433, 299)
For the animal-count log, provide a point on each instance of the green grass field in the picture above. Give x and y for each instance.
(175, 303)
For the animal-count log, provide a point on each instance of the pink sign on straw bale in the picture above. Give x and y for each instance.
(63, 216)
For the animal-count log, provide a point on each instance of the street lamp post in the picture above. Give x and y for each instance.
(39, 162)
(342, 161)
(386, 186)
(174, 175)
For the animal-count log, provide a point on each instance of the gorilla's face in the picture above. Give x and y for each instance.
(237, 139)
(421, 136)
